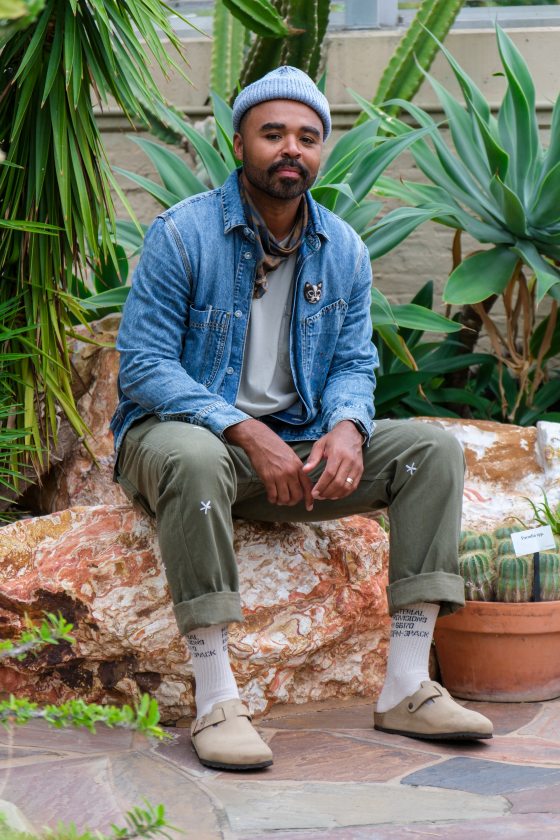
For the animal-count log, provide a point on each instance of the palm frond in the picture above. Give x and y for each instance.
(56, 172)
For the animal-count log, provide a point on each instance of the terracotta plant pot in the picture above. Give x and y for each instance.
(501, 652)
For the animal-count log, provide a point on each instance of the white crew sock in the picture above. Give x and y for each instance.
(213, 676)
(412, 629)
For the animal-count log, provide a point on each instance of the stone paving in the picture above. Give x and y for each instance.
(334, 778)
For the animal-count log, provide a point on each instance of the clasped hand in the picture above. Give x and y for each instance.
(287, 480)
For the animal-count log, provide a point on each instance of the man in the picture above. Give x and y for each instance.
(246, 389)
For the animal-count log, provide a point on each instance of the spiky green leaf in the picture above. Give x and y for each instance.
(547, 275)
(480, 276)
(258, 16)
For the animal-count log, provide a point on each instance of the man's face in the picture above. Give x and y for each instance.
(280, 144)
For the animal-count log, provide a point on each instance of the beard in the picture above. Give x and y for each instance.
(284, 188)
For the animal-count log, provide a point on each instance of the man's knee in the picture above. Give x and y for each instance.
(443, 470)
(443, 447)
(197, 457)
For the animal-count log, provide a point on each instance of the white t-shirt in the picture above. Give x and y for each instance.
(266, 385)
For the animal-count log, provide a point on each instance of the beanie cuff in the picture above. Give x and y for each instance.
(283, 83)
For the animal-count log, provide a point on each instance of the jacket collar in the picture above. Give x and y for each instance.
(234, 216)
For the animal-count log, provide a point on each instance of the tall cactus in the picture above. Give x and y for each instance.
(415, 52)
(301, 48)
(263, 55)
(479, 576)
(227, 51)
(309, 21)
(515, 577)
(323, 10)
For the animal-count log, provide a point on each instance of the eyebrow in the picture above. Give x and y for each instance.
(308, 129)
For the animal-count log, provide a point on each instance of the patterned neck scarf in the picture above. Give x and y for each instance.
(269, 251)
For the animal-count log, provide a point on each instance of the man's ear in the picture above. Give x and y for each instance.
(238, 146)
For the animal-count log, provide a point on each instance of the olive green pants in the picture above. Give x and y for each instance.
(194, 484)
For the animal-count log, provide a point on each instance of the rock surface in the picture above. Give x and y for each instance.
(78, 479)
(313, 596)
(506, 466)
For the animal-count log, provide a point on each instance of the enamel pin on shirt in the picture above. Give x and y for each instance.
(312, 292)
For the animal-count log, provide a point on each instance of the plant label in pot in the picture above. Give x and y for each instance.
(532, 540)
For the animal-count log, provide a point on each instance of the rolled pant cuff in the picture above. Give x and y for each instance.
(433, 587)
(212, 608)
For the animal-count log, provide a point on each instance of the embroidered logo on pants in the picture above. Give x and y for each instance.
(205, 507)
(411, 468)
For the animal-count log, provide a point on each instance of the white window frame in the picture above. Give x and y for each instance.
(385, 14)
(484, 17)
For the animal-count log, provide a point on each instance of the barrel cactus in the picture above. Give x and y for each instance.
(478, 573)
(493, 572)
(504, 532)
(515, 578)
(504, 548)
(471, 541)
(549, 565)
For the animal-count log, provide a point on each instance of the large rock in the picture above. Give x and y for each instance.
(313, 597)
(506, 466)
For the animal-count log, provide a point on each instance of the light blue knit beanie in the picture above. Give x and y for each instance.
(283, 83)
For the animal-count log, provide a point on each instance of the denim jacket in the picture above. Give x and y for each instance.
(184, 324)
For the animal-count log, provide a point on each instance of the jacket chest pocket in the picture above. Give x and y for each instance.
(320, 335)
(205, 341)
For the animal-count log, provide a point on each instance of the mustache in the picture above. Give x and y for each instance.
(293, 164)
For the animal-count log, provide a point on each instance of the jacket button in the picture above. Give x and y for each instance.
(238, 313)
(229, 370)
(247, 255)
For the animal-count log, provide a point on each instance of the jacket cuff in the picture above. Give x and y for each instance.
(216, 417)
(219, 416)
(358, 415)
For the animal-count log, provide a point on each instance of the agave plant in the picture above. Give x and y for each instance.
(499, 185)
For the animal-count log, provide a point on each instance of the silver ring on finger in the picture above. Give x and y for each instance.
(349, 480)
